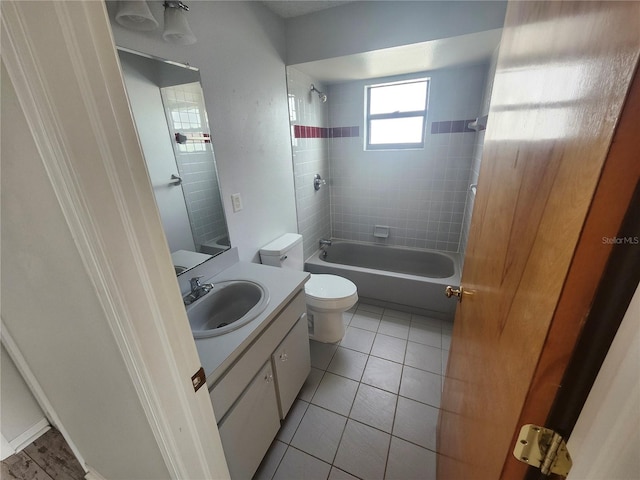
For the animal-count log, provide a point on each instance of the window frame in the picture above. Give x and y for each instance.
(395, 115)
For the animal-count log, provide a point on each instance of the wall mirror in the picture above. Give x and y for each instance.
(168, 109)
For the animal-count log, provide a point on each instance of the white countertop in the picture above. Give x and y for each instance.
(218, 353)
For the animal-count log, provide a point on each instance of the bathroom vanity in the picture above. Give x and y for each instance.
(254, 373)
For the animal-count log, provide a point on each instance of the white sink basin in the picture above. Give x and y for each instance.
(227, 307)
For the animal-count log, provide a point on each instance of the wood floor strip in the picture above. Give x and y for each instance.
(20, 466)
(47, 458)
(54, 456)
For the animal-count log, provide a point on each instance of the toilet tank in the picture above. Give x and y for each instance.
(285, 252)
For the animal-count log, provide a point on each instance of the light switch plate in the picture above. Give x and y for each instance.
(236, 202)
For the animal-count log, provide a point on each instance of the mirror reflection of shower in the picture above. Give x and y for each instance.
(322, 96)
(168, 107)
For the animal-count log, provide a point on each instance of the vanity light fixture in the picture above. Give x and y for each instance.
(176, 27)
(135, 15)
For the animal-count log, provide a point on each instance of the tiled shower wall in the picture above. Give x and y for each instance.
(308, 115)
(419, 194)
(477, 153)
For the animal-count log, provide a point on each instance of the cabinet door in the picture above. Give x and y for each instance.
(250, 426)
(292, 364)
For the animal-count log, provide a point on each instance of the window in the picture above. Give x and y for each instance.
(396, 114)
(184, 108)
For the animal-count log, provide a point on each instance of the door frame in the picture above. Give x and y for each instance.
(139, 295)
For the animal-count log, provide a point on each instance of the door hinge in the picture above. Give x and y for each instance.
(544, 449)
(198, 379)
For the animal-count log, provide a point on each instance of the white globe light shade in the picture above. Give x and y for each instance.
(176, 28)
(135, 15)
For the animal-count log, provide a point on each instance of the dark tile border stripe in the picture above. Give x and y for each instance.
(452, 126)
(304, 131)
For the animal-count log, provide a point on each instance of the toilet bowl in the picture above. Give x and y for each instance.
(327, 296)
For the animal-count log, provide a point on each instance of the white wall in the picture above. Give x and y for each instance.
(606, 438)
(19, 412)
(370, 25)
(240, 53)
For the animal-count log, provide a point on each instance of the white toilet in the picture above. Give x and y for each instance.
(327, 295)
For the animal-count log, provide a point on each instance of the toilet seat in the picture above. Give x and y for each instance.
(330, 292)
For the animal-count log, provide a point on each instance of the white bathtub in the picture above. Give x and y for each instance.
(406, 279)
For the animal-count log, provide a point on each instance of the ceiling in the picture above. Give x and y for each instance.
(418, 57)
(294, 8)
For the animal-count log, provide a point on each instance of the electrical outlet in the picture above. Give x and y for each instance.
(236, 202)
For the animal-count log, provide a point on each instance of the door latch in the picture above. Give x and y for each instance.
(198, 379)
(454, 292)
(544, 449)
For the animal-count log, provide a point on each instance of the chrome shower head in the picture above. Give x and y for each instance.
(322, 96)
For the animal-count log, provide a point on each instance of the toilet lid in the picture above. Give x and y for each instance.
(329, 287)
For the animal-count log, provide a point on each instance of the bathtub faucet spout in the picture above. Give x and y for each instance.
(324, 243)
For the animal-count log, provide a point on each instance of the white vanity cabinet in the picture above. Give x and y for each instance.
(248, 430)
(257, 390)
(291, 365)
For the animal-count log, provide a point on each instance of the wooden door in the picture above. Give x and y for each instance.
(552, 185)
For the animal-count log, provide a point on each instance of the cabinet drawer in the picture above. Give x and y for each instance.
(225, 392)
(250, 426)
(292, 364)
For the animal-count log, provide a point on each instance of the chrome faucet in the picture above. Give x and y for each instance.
(324, 243)
(198, 290)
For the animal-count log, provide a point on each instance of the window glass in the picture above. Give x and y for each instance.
(396, 114)
(396, 130)
(403, 97)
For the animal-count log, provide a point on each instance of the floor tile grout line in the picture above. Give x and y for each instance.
(391, 434)
(415, 444)
(386, 460)
(393, 423)
(296, 429)
(360, 382)
(376, 386)
(275, 470)
(366, 425)
(307, 453)
(348, 417)
(316, 389)
(332, 464)
(403, 363)
(333, 461)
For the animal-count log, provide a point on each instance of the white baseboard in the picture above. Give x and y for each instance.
(37, 391)
(32, 434)
(6, 450)
(92, 474)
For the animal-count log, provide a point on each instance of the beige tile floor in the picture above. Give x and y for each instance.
(369, 407)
